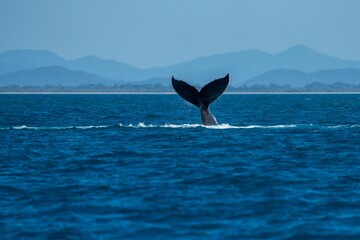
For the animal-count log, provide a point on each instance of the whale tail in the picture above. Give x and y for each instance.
(208, 94)
(203, 98)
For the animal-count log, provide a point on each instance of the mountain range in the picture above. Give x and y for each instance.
(297, 78)
(296, 66)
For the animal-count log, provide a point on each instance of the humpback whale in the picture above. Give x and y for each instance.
(203, 98)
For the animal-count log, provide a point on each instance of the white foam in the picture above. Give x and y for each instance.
(168, 125)
(282, 126)
(139, 125)
(183, 126)
(222, 126)
(55, 128)
(337, 126)
(227, 126)
(143, 125)
(91, 126)
(23, 127)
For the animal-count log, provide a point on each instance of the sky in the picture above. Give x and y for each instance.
(155, 33)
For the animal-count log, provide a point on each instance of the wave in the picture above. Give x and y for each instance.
(24, 127)
(174, 126)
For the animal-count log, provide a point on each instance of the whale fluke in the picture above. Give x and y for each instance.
(186, 91)
(208, 94)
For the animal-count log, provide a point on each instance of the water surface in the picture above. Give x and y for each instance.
(143, 167)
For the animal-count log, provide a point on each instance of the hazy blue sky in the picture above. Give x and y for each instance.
(148, 33)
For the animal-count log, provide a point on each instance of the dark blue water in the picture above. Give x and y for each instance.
(141, 167)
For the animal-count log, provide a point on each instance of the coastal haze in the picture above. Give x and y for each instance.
(140, 44)
(296, 67)
(159, 33)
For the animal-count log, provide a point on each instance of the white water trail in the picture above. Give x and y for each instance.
(182, 126)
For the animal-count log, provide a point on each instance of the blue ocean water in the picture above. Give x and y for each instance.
(142, 167)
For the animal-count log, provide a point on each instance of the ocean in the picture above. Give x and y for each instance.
(143, 167)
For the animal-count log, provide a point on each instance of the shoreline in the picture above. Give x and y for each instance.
(167, 93)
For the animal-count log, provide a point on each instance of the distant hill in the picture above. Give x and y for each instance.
(106, 68)
(347, 76)
(52, 75)
(281, 77)
(31, 57)
(242, 66)
(24, 59)
(296, 78)
(251, 63)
